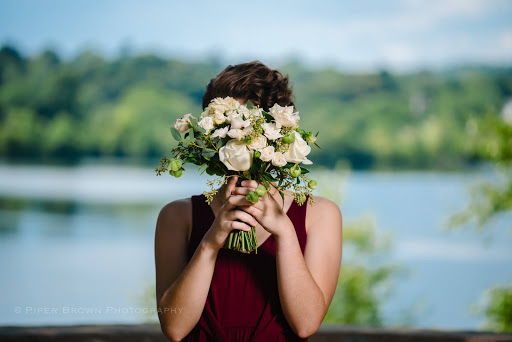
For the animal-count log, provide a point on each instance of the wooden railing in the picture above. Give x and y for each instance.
(152, 333)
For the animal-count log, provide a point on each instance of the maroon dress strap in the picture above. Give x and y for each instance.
(243, 299)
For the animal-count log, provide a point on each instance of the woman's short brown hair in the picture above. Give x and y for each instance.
(252, 81)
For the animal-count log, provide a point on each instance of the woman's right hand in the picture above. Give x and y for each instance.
(226, 219)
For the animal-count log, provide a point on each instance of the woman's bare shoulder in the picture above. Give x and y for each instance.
(321, 210)
(176, 217)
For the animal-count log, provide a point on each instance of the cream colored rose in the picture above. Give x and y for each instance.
(298, 151)
(206, 112)
(267, 153)
(238, 133)
(230, 114)
(206, 123)
(220, 132)
(284, 116)
(278, 159)
(271, 131)
(232, 103)
(236, 156)
(182, 125)
(258, 143)
(219, 118)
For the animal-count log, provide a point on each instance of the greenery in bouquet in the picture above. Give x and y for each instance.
(233, 139)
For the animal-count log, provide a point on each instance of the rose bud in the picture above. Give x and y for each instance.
(261, 191)
(257, 154)
(174, 164)
(312, 184)
(252, 197)
(295, 171)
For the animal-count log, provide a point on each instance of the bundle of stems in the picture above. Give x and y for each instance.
(241, 240)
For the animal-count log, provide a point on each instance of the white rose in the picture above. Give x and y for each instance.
(267, 153)
(182, 125)
(271, 131)
(219, 118)
(232, 103)
(238, 133)
(258, 143)
(284, 116)
(230, 114)
(220, 132)
(236, 156)
(206, 112)
(238, 122)
(298, 151)
(206, 123)
(278, 159)
(220, 103)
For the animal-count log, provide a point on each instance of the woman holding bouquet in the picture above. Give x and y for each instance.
(209, 293)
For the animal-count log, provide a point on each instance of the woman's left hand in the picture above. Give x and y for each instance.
(267, 211)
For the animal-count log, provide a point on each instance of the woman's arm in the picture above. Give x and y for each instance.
(181, 288)
(307, 283)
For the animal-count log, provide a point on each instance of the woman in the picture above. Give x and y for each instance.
(209, 293)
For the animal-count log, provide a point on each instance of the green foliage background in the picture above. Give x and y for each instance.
(54, 109)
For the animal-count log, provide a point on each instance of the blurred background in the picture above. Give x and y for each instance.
(413, 101)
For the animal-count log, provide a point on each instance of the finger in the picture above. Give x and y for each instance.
(235, 201)
(231, 186)
(239, 225)
(242, 216)
(250, 183)
(254, 210)
(241, 191)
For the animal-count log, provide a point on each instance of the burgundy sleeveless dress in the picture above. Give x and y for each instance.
(243, 300)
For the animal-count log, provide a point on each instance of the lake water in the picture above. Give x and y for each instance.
(76, 244)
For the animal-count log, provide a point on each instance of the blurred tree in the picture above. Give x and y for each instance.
(491, 139)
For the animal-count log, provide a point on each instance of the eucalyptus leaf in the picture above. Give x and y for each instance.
(249, 104)
(175, 134)
(207, 154)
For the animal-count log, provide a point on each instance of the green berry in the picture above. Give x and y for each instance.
(257, 154)
(288, 139)
(174, 164)
(252, 197)
(178, 173)
(171, 172)
(312, 184)
(261, 191)
(301, 198)
(295, 171)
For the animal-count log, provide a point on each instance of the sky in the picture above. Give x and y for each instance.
(356, 35)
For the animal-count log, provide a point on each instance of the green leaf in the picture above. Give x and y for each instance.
(249, 104)
(316, 134)
(282, 196)
(207, 154)
(189, 160)
(175, 134)
(196, 127)
(288, 165)
(220, 143)
(303, 170)
(317, 145)
(267, 116)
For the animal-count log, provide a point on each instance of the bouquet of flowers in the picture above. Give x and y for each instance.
(232, 139)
